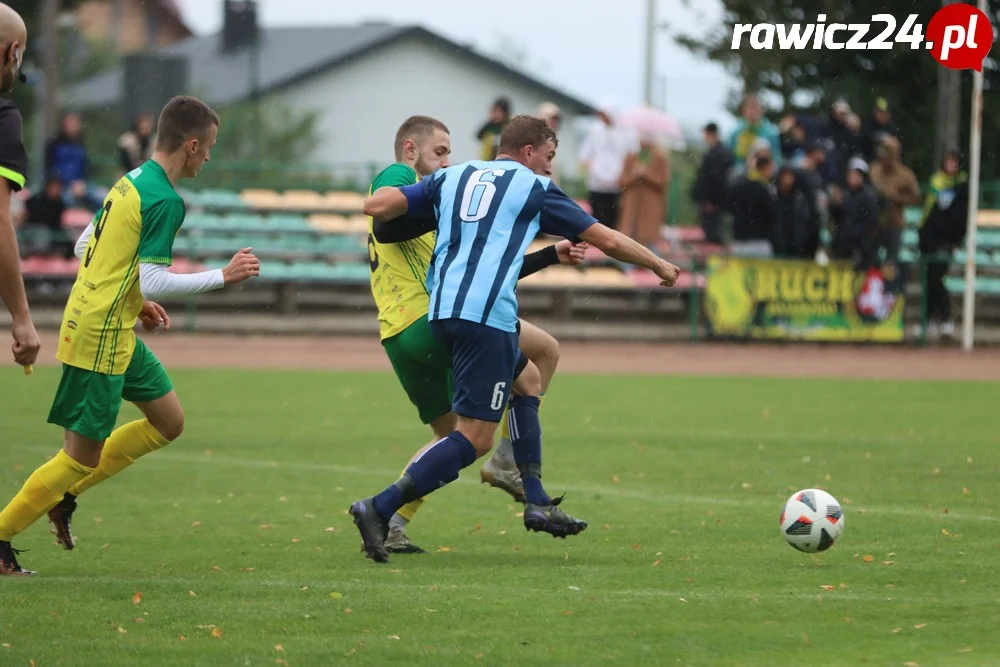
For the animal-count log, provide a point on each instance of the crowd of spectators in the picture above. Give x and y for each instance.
(830, 188)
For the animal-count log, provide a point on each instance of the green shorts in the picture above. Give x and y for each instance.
(87, 402)
(423, 367)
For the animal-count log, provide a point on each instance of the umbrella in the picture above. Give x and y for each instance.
(655, 124)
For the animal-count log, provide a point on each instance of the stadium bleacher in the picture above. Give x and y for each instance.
(320, 239)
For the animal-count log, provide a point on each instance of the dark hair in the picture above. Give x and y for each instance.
(711, 128)
(952, 153)
(525, 130)
(182, 118)
(416, 128)
(503, 104)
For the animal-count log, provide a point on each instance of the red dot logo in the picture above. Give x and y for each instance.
(959, 36)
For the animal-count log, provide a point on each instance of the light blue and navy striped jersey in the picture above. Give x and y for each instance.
(487, 214)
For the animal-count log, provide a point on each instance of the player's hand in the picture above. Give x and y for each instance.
(26, 342)
(153, 315)
(668, 274)
(243, 265)
(571, 254)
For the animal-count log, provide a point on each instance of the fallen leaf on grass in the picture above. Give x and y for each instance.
(217, 568)
(920, 626)
(869, 559)
(805, 639)
(5, 645)
(181, 638)
(348, 610)
(331, 529)
(336, 595)
(196, 524)
(479, 656)
(896, 631)
(657, 562)
(843, 586)
(265, 526)
(829, 589)
(295, 540)
(681, 600)
(747, 485)
(192, 594)
(105, 546)
(281, 661)
(444, 549)
(140, 620)
(216, 633)
(568, 612)
(32, 663)
(910, 664)
(98, 519)
(888, 562)
(965, 650)
(432, 611)
(136, 597)
(122, 631)
(393, 637)
(246, 569)
(615, 479)
(965, 491)
(574, 588)
(606, 526)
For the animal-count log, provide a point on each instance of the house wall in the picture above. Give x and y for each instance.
(362, 103)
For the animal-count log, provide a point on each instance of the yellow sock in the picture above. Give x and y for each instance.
(504, 427)
(121, 449)
(40, 493)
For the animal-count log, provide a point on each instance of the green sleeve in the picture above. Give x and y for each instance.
(394, 176)
(160, 223)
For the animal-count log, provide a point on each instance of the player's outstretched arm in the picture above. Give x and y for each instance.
(156, 281)
(386, 204)
(561, 215)
(26, 342)
(616, 245)
(563, 252)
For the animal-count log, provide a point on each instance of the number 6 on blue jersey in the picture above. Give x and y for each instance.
(479, 193)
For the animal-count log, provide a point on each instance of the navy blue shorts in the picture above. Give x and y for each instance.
(482, 363)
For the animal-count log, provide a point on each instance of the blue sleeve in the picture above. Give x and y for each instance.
(422, 197)
(561, 216)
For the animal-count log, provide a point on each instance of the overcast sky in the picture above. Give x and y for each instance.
(561, 44)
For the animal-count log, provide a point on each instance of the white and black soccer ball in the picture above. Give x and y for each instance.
(812, 520)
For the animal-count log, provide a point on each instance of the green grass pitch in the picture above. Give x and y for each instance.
(237, 542)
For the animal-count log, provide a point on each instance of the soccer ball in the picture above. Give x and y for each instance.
(812, 520)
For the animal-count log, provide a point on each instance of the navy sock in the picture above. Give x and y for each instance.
(526, 440)
(437, 466)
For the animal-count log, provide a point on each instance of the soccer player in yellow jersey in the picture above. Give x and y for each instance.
(398, 279)
(125, 253)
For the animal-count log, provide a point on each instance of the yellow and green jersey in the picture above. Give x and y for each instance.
(137, 224)
(399, 270)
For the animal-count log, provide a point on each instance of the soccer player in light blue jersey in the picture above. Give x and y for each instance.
(486, 214)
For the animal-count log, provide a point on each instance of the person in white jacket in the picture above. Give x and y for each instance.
(603, 156)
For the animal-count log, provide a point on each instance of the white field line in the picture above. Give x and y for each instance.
(505, 588)
(607, 492)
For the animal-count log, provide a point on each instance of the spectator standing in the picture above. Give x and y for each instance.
(552, 115)
(810, 181)
(752, 127)
(603, 156)
(489, 133)
(43, 229)
(842, 142)
(856, 235)
(793, 221)
(644, 181)
(897, 185)
(754, 208)
(135, 147)
(66, 153)
(941, 231)
(876, 127)
(709, 190)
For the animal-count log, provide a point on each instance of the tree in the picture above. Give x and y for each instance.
(905, 76)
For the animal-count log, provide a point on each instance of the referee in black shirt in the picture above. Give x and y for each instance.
(13, 172)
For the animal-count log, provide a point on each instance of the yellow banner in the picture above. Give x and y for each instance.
(801, 300)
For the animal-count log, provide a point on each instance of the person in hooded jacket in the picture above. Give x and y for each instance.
(856, 208)
(898, 187)
(942, 230)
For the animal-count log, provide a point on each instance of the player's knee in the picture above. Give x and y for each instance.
(529, 382)
(170, 427)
